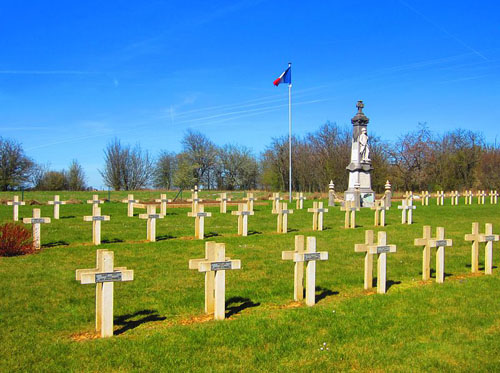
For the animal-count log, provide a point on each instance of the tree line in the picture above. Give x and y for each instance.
(417, 160)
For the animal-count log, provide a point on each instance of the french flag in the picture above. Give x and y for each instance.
(286, 77)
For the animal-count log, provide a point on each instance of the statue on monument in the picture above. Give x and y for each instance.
(364, 150)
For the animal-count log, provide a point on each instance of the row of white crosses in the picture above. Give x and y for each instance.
(424, 196)
(407, 208)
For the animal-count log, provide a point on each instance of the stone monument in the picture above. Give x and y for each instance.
(361, 164)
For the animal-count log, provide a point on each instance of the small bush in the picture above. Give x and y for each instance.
(15, 239)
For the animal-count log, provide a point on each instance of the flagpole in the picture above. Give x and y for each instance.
(290, 137)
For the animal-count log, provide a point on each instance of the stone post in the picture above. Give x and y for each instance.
(331, 193)
(388, 193)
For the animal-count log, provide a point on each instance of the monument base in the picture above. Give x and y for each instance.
(366, 197)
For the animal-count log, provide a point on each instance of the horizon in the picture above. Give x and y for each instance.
(73, 77)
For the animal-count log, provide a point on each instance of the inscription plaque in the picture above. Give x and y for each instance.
(489, 238)
(441, 243)
(216, 266)
(108, 277)
(312, 256)
(97, 218)
(37, 220)
(383, 249)
(154, 216)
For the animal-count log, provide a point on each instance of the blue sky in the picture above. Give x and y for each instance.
(74, 75)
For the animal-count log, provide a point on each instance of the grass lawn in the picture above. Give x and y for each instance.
(47, 318)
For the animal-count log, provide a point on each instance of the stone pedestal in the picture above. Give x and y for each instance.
(360, 166)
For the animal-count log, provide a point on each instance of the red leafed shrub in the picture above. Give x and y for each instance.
(15, 239)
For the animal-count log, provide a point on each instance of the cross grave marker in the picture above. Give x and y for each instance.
(379, 207)
(282, 219)
(151, 217)
(163, 201)
(249, 200)
(440, 243)
(363, 248)
(95, 201)
(493, 197)
(15, 203)
(350, 214)
(223, 202)
(243, 213)
(199, 222)
(300, 200)
(96, 220)
(488, 237)
(381, 249)
(318, 212)
(407, 208)
(130, 207)
(56, 202)
(35, 221)
(424, 195)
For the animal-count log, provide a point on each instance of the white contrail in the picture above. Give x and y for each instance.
(442, 29)
(46, 72)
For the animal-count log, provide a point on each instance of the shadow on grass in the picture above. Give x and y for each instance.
(391, 283)
(211, 234)
(433, 274)
(68, 217)
(292, 230)
(324, 292)
(112, 240)
(171, 213)
(164, 237)
(129, 322)
(480, 267)
(235, 305)
(56, 243)
(251, 233)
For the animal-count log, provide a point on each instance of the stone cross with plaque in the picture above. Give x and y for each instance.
(300, 200)
(35, 221)
(214, 265)
(381, 249)
(481, 194)
(243, 213)
(130, 207)
(163, 201)
(493, 197)
(380, 208)
(424, 196)
(309, 257)
(468, 197)
(199, 222)
(151, 217)
(440, 243)
(282, 221)
(440, 198)
(488, 237)
(249, 200)
(56, 202)
(350, 214)
(363, 248)
(454, 197)
(15, 203)
(95, 201)
(276, 201)
(318, 212)
(223, 202)
(407, 211)
(103, 276)
(96, 220)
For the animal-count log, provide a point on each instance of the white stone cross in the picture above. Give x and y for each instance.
(493, 197)
(363, 248)
(309, 257)
(282, 220)
(96, 220)
(426, 254)
(318, 212)
(440, 198)
(199, 222)
(56, 202)
(243, 213)
(381, 249)
(300, 200)
(215, 264)
(407, 210)
(468, 197)
(35, 221)
(95, 201)
(276, 201)
(194, 201)
(223, 202)
(481, 194)
(151, 217)
(408, 195)
(350, 214)
(488, 237)
(15, 204)
(379, 207)
(103, 276)
(440, 242)
(425, 197)
(249, 200)
(454, 197)
(130, 201)
(163, 200)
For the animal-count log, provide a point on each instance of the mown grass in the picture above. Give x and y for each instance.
(47, 318)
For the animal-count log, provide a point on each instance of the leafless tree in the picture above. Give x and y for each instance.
(15, 166)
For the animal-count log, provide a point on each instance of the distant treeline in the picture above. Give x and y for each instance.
(418, 160)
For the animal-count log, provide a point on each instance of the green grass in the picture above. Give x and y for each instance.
(46, 316)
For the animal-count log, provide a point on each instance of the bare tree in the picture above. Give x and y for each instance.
(201, 152)
(76, 176)
(15, 166)
(126, 168)
(164, 170)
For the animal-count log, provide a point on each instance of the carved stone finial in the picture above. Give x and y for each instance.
(360, 106)
(360, 118)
